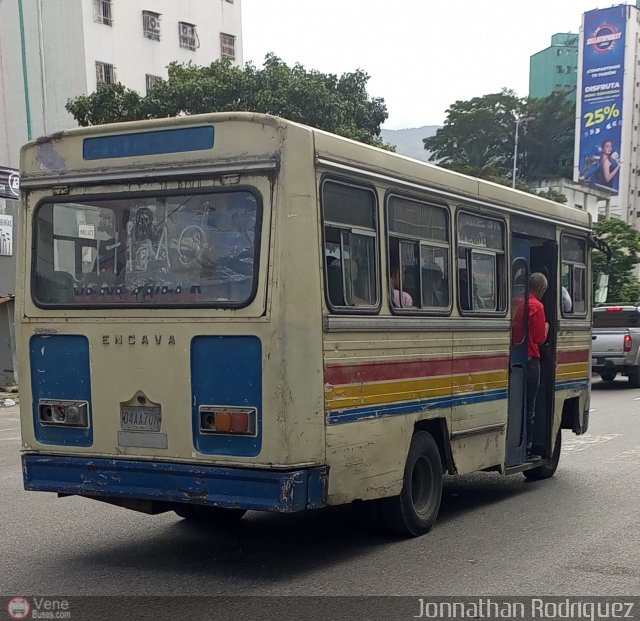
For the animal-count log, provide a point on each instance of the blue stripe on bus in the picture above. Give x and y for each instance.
(244, 488)
(571, 384)
(149, 143)
(411, 407)
(60, 369)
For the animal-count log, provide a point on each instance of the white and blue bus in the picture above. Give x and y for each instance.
(234, 312)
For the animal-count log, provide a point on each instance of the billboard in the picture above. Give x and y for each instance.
(601, 98)
(9, 184)
(6, 235)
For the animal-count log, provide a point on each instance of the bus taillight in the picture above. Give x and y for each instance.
(232, 420)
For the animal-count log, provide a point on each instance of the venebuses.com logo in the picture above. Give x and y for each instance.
(18, 608)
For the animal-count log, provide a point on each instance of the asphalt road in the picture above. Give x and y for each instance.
(574, 534)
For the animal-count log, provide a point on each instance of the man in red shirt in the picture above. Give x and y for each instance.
(538, 329)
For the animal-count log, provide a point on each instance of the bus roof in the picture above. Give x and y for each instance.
(191, 139)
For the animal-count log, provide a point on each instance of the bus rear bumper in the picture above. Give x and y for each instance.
(284, 491)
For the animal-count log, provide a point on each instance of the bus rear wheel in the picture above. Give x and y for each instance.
(415, 510)
(215, 515)
(547, 470)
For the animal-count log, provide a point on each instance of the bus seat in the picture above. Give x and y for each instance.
(55, 287)
(334, 284)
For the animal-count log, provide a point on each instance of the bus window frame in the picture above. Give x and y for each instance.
(342, 226)
(502, 288)
(70, 198)
(421, 241)
(572, 265)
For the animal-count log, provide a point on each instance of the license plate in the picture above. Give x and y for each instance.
(140, 418)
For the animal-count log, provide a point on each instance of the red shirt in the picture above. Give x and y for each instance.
(537, 328)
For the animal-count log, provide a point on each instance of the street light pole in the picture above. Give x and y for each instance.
(515, 148)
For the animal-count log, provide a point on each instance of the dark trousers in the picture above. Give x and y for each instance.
(533, 383)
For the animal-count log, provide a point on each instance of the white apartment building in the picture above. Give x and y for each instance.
(54, 50)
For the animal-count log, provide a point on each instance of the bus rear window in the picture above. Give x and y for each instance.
(616, 318)
(158, 251)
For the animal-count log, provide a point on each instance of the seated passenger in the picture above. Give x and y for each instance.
(399, 298)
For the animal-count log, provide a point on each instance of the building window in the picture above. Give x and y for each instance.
(152, 80)
(151, 25)
(188, 36)
(103, 12)
(227, 46)
(105, 73)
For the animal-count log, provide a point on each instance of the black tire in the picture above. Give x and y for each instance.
(548, 469)
(634, 377)
(608, 376)
(202, 513)
(415, 510)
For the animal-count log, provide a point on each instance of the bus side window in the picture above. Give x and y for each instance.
(481, 264)
(573, 255)
(418, 255)
(351, 245)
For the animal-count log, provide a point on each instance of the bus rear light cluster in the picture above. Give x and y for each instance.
(228, 420)
(63, 413)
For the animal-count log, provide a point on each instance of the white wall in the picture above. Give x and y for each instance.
(63, 42)
(133, 55)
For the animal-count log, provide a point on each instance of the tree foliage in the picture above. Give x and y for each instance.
(547, 144)
(624, 242)
(337, 104)
(476, 134)
(478, 137)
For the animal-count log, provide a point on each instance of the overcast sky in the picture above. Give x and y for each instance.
(422, 55)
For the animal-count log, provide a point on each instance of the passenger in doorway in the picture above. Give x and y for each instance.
(538, 330)
(400, 299)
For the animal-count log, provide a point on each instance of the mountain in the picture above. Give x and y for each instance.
(409, 141)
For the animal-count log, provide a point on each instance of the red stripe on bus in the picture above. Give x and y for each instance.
(580, 355)
(381, 371)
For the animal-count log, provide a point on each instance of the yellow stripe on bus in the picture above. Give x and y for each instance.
(578, 370)
(380, 393)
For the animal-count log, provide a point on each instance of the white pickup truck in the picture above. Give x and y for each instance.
(616, 343)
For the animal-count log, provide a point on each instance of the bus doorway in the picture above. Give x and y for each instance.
(544, 259)
(530, 256)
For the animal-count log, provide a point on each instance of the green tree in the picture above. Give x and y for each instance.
(547, 144)
(336, 104)
(553, 195)
(624, 241)
(477, 137)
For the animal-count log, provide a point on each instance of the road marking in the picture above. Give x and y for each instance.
(632, 456)
(581, 443)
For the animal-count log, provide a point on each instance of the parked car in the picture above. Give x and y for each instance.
(616, 342)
